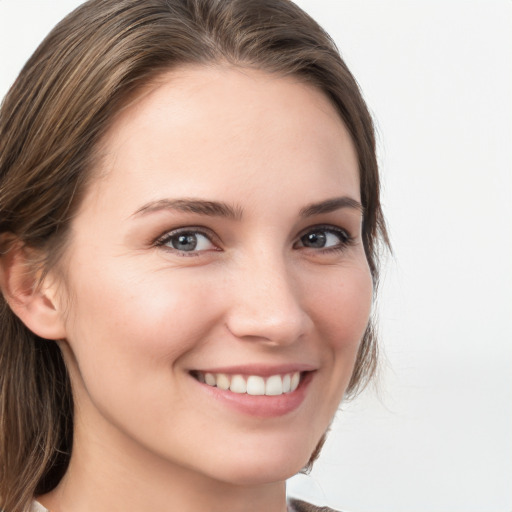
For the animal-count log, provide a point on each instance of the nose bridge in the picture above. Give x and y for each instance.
(267, 303)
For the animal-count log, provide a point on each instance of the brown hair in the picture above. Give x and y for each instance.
(51, 122)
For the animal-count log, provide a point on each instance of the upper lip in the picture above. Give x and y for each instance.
(263, 370)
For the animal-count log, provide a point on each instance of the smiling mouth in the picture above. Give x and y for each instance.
(255, 385)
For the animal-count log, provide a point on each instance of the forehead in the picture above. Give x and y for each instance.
(203, 127)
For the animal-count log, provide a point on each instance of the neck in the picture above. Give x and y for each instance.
(121, 476)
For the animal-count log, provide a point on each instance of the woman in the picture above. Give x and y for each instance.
(190, 222)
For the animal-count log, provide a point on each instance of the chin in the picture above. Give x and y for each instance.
(265, 466)
(254, 475)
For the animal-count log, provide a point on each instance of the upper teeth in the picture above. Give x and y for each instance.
(253, 384)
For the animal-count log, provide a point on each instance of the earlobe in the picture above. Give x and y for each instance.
(33, 302)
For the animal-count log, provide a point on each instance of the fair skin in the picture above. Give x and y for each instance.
(270, 283)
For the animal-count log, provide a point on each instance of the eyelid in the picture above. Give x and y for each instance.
(346, 239)
(342, 232)
(163, 239)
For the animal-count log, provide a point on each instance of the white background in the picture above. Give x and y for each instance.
(437, 75)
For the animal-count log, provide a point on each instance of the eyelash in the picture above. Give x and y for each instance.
(345, 238)
(165, 239)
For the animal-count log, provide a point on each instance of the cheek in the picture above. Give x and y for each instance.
(341, 307)
(129, 323)
(127, 337)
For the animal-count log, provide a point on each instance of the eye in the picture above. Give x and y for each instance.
(329, 238)
(187, 241)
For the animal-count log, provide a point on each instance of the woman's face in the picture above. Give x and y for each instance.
(219, 247)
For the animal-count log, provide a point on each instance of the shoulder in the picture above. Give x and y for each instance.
(302, 506)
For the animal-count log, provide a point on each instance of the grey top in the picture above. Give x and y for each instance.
(302, 506)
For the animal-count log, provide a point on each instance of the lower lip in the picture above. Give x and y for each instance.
(262, 406)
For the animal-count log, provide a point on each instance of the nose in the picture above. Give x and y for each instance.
(267, 303)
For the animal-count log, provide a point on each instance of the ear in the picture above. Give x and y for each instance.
(35, 303)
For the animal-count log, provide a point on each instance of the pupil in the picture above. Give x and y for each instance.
(185, 242)
(317, 239)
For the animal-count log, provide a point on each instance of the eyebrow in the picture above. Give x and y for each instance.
(221, 209)
(200, 206)
(331, 205)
